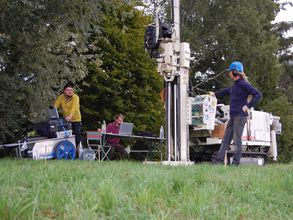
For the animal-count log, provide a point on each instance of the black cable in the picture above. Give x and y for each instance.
(202, 90)
(216, 76)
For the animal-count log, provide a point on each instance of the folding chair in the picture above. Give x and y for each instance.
(94, 141)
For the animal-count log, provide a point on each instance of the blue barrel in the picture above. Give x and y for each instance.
(65, 150)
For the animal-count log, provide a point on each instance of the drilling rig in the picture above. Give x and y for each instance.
(163, 43)
(199, 122)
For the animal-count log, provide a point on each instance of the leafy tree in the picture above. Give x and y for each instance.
(284, 109)
(285, 52)
(223, 31)
(126, 81)
(283, 104)
(43, 44)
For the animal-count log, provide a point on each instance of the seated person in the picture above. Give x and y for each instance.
(116, 147)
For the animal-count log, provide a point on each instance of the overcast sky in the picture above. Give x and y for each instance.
(286, 15)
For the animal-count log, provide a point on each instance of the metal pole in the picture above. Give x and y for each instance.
(179, 109)
(157, 22)
(175, 121)
(169, 120)
(183, 79)
(183, 125)
(178, 120)
(176, 19)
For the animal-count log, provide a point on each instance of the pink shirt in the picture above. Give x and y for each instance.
(114, 129)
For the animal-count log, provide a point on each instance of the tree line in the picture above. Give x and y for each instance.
(98, 45)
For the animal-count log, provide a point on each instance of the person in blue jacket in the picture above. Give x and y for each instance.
(239, 107)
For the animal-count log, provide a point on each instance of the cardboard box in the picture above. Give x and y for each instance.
(64, 134)
(219, 131)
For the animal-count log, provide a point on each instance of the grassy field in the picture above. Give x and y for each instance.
(130, 190)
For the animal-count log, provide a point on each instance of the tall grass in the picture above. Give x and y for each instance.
(129, 190)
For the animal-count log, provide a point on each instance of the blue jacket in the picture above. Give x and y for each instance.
(238, 96)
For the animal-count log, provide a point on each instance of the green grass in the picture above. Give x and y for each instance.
(129, 190)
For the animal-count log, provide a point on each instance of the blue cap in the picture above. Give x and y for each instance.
(236, 65)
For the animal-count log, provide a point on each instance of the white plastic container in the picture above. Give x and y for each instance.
(104, 127)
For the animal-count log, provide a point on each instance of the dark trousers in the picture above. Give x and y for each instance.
(117, 152)
(233, 131)
(76, 128)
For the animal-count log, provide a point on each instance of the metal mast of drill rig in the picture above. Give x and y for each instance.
(173, 57)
